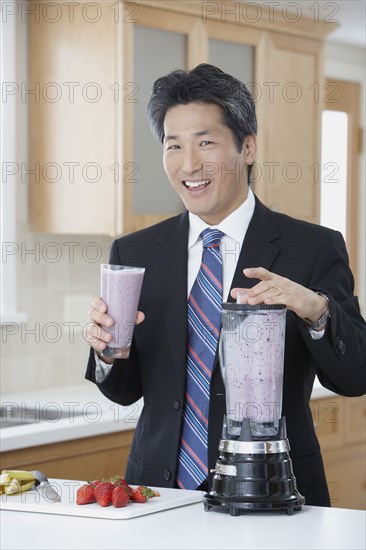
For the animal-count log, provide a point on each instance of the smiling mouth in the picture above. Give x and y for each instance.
(196, 185)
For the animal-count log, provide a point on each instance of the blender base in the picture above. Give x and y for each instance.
(237, 507)
(254, 475)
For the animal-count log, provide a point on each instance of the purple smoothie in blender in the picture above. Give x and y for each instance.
(252, 355)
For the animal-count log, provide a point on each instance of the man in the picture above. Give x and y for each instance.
(206, 122)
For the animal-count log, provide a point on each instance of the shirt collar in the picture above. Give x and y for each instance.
(235, 225)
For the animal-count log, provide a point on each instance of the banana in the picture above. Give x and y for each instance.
(16, 481)
(20, 474)
(4, 478)
(25, 486)
(12, 487)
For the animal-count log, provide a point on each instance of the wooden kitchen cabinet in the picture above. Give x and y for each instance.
(91, 172)
(341, 428)
(289, 180)
(89, 458)
(74, 121)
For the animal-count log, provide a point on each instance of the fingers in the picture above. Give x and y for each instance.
(267, 290)
(96, 336)
(258, 273)
(139, 317)
(273, 289)
(98, 311)
(98, 314)
(270, 290)
(262, 295)
(243, 292)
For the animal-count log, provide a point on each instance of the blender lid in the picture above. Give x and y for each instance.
(247, 307)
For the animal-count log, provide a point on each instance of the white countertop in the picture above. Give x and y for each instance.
(90, 414)
(189, 527)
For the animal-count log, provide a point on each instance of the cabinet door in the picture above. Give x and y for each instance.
(156, 45)
(291, 107)
(233, 58)
(72, 118)
(151, 191)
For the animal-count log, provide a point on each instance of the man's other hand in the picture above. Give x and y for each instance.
(274, 289)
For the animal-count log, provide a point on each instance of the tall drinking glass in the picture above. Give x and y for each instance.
(120, 290)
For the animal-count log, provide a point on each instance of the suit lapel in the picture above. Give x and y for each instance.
(260, 247)
(171, 268)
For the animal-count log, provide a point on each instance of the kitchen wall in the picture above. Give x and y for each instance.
(58, 274)
(55, 283)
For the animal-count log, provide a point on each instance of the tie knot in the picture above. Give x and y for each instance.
(211, 237)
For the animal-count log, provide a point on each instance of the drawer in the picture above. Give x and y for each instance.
(88, 458)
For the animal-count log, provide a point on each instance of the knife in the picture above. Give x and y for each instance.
(44, 487)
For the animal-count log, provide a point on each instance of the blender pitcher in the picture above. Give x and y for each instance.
(252, 346)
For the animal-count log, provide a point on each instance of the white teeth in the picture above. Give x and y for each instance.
(196, 183)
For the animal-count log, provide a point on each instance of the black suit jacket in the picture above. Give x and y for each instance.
(311, 255)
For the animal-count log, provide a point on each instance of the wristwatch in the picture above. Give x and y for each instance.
(321, 323)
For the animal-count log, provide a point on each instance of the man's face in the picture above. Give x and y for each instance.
(202, 162)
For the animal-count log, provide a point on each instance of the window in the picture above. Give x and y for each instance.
(340, 192)
(333, 192)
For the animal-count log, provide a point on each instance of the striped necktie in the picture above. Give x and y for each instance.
(204, 323)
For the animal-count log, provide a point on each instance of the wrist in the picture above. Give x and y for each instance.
(320, 322)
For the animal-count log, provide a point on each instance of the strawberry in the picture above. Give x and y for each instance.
(118, 480)
(142, 494)
(121, 482)
(85, 494)
(103, 493)
(120, 496)
(94, 483)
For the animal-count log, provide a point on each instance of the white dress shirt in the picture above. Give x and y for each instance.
(234, 228)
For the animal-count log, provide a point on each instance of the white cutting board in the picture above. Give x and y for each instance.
(31, 501)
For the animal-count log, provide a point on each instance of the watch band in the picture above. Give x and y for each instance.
(320, 324)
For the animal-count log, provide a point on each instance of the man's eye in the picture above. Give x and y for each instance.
(206, 142)
(173, 147)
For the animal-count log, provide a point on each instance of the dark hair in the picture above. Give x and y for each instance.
(204, 84)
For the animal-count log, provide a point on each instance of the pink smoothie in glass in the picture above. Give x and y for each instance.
(120, 290)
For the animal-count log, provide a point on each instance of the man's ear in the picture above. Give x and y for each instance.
(250, 149)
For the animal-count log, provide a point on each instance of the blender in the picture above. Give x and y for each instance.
(254, 468)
